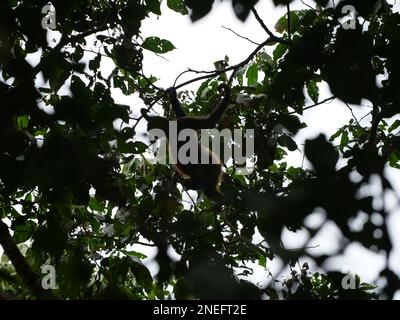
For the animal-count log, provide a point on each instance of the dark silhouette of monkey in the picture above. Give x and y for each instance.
(198, 176)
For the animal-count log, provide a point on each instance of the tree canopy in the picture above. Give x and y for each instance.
(79, 190)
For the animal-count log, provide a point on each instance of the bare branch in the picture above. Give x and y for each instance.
(310, 7)
(240, 36)
(269, 32)
(352, 113)
(315, 104)
(144, 244)
(211, 74)
(231, 68)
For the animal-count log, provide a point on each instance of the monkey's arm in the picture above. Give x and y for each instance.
(176, 105)
(210, 121)
(220, 106)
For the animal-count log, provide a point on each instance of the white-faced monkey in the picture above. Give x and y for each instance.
(199, 176)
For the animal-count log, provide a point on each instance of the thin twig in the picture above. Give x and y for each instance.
(144, 244)
(240, 36)
(235, 67)
(193, 71)
(191, 199)
(314, 105)
(149, 108)
(352, 113)
(310, 7)
(148, 81)
(363, 117)
(187, 71)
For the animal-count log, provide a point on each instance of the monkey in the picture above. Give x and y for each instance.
(206, 177)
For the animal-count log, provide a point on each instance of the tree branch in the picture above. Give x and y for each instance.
(269, 32)
(240, 36)
(234, 67)
(289, 22)
(353, 115)
(314, 105)
(23, 269)
(211, 74)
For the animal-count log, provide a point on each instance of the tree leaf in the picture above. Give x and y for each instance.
(178, 6)
(154, 6)
(252, 74)
(158, 45)
(394, 126)
(313, 91)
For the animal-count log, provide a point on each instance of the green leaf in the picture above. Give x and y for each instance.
(394, 126)
(394, 159)
(281, 24)
(265, 58)
(313, 91)
(154, 6)
(76, 269)
(178, 6)
(344, 139)
(96, 205)
(293, 172)
(24, 232)
(116, 111)
(135, 254)
(22, 122)
(133, 147)
(262, 261)
(4, 259)
(252, 74)
(336, 134)
(158, 45)
(94, 64)
(279, 51)
(287, 142)
(142, 274)
(321, 154)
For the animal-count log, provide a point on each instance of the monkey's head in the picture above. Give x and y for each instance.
(155, 122)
